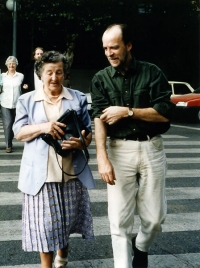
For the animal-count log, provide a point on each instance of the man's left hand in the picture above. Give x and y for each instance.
(113, 114)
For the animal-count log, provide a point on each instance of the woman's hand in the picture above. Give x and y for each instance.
(29, 132)
(75, 143)
(53, 128)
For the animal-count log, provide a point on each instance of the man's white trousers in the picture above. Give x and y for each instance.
(130, 159)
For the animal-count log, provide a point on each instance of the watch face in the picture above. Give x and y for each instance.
(130, 112)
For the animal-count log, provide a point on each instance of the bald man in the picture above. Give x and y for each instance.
(131, 105)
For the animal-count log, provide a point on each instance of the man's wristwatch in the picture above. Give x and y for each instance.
(130, 112)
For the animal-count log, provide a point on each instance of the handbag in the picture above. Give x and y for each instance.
(73, 128)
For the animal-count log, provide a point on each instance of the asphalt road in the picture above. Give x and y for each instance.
(178, 246)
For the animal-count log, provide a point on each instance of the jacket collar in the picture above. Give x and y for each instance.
(39, 94)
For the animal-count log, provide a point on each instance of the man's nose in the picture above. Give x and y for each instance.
(109, 52)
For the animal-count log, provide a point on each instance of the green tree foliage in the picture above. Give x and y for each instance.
(166, 32)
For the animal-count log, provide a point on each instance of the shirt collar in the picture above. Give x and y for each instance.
(13, 74)
(40, 95)
(131, 69)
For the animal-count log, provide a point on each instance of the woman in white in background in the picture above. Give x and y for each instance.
(11, 81)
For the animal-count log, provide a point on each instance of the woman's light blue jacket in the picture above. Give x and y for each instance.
(33, 169)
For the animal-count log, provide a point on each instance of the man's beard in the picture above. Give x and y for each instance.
(123, 63)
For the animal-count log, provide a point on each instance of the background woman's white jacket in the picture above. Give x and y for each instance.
(11, 89)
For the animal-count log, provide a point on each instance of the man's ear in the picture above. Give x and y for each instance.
(129, 46)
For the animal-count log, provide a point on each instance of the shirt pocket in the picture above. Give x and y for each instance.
(141, 98)
(116, 98)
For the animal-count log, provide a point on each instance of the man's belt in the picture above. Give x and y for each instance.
(133, 137)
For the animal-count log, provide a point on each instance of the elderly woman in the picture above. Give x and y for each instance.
(11, 90)
(54, 205)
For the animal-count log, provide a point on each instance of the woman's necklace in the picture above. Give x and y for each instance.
(51, 97)
(10, 74)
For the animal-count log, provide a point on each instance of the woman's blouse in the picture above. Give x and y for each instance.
(11, 89)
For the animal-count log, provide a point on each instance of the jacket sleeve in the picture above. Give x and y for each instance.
(21, 118)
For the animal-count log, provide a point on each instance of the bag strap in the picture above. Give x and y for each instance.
(75, 174)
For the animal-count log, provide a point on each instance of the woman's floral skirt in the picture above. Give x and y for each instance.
(57, 211)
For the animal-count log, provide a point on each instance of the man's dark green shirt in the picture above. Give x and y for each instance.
(143, 85)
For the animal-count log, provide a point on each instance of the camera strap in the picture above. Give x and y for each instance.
(75, 174)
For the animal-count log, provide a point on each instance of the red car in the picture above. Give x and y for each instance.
(187, 102)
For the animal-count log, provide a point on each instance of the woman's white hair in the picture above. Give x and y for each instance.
(11, 58)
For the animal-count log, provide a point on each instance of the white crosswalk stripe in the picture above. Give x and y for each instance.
(101, 195)
(177, 222)
(12, 229)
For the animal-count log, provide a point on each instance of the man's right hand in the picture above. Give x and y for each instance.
(106, 171)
